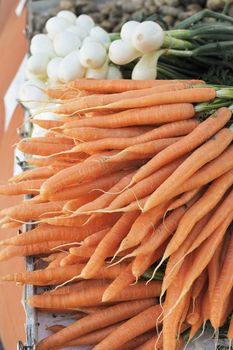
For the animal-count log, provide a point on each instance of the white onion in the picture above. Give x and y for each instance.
(92, 55)
(100, 73)
(146, 68)
(56, 25)
(70, 67)
(128, 29)
(32, 95)
(53, 68)
(113, 73)
(148, 36)
(85, 22)
(77, 30)
(66, 42)
(41, 43)
(122, 52)
(100, 35)
(37, 64)
(67, 15)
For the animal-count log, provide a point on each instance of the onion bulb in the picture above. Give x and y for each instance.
(53, 68)
(67, 15)
(70, 67)
(37, 64)
(100, 35)
(85, 22)
(148, 36)
(92, 55)
(32, 93)
(122, 52)
(41, 43)
(146, 68)
(56, 25)
(128, 29)
(114, 73)
(78, 30)
(66, 42)
(99, 73)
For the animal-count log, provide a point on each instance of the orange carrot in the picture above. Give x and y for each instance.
(95, 238)
(183, 199)
(99, 320)
(188, 143)
(135, 342)
(230, 331)
(34, 174)
(47, 124)
(23, 187)
(75, 204)
(135, 326)
(43, 162)
(71, 259)
(202, 207)
(110, 242)
(42, 149)
(140, 116)
(205, 153)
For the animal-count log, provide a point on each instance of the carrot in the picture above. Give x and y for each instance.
(146, 186)
(140, 116)
(183, 199)
(141, 151)
(23, 187)
(142, 262)
(98, 320)
(176, 259)
(47, 124)
(77, 287)
(110, 242)
(85, 103)
(162, 232)
(214, 268)
(109, 196)
(113, 86)
(199, 285)
(87, 171)
(45, 232)
(145, 223)
(49, 138)
(135, 326)
(135, 342)
(71, 259)
(102, 183)
(75, 204)
(223, 287)
(60, 274)
(188, 143)
(42, 149)
(93, 134)
(95, 238)
(31, 211)
(163, 98)
(56, 262)
(207, 202)
(205, 153)
(218, 217)
(34, 174)
(100, 224)
(81, 251)
(43, 162)
(203, 255)
(33, 249)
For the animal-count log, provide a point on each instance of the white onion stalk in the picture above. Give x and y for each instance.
(146, 68)
(66, 42)
(100, 73)
(122, 52)
(100, 35)
(92, 55)
(53, 68)
(85, 22)
(114, 73)
(37, 64)
(128, 29)
(67, 15)
(41, 43)
(148, 36)
(56, 25)
(70, 67)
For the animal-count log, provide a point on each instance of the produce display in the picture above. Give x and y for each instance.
(130, 182)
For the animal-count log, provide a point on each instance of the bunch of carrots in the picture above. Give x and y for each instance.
(130, 182)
